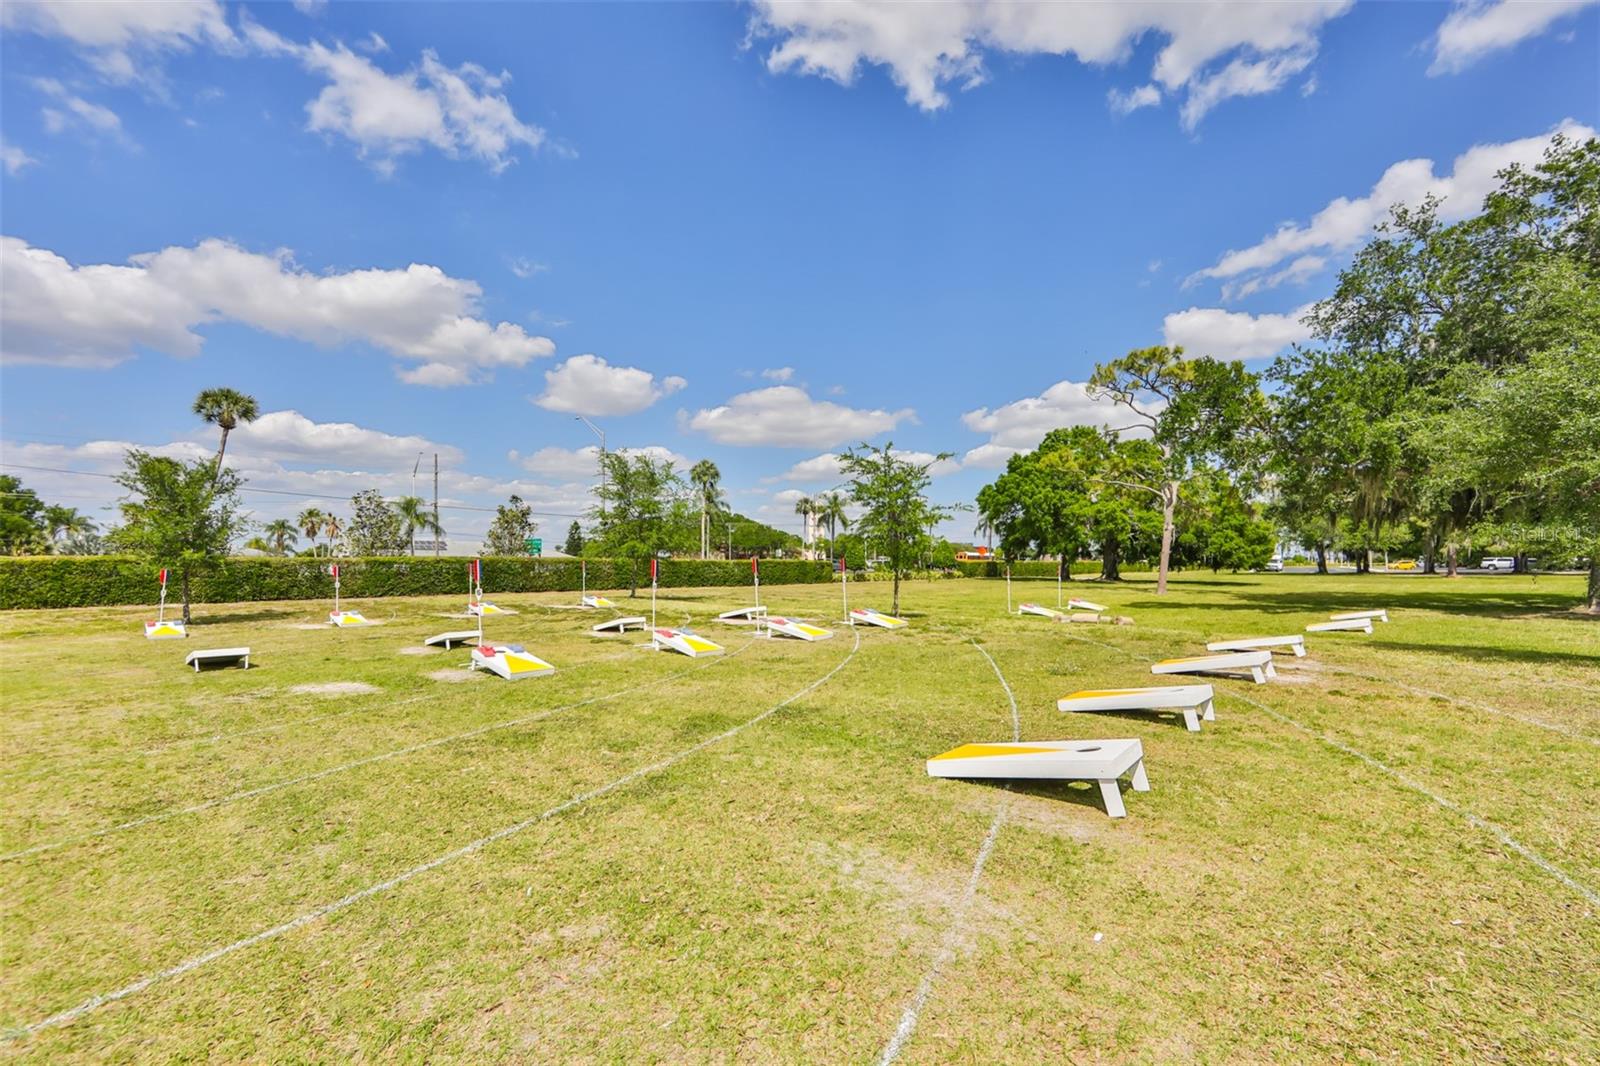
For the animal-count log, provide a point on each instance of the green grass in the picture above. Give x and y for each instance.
(1337, 868)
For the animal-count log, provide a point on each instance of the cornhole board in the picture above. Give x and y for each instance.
(510, 661)
(870, 617)
(347, 619)
(1294, 641)
(622, 625)
(483, 608)
(457, 636)
(1363, 625)
(793, 627)
(1195, 701)
(1258, 663)
(596, 601)
(165, 630)
(1039, 609)
(742, 614)
(684, 642)
(1381, 615)
(218, 657)
(1088, 605)
(1101, 761)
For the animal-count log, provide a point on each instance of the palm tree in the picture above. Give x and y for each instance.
(331, 526)
(805, 506)
(832, 512)
(225, 409)
(704, 475)
(414, 515)
(66, 523)
(311, 521)
(280, 533)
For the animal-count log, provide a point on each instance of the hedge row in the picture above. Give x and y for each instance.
(108, 580)
(1043, 568)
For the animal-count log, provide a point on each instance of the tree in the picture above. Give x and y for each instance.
(374, 527)
(805, 507)
(280, 533)
(832, 512)
(897, 515)
(574, 544)
(706, 478)
(1196, 410)
(641, 500)
(21, 516)
(225, 409)
(177, 515)
(512, 526)
(332, 526)
(1219, 528)
(69, 529)
(311, 520)
(414, 516)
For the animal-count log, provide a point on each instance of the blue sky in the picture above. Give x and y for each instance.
(748, 233)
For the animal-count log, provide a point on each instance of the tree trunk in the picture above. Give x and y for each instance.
(1169, 503)
(1322, 557)
(1450, 561)
(1110, 562)
(222, 449)
(1429, 549)
(1594, 578)
(185, 584)
(895, 608)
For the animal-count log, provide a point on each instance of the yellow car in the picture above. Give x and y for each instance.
(1403, 564)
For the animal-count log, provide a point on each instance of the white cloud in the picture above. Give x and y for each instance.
(524, 267)
(575, 464)
(74, 112)
(929, 47)
(1475, 28)
(1298, 272)
(1346, 222)
(461, 111)
(588, 385)
(373, 44)
(15, 159)
(779, 374)
(1126, 102)
(311, 7)
(1019, 426)
(1234, 334)
(825, 468)
(787, 416)
(97, 314)
(122, 38)
(291, 436)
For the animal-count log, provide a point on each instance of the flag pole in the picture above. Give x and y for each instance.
(844, 590)
(335, 588)
(583, 581)
(652, 600)
(161, 611)
(475, 580)
(1008, 588)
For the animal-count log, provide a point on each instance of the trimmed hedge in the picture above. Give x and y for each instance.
(1030, 568)
(110, 580)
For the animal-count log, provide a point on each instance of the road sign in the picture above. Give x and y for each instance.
(535, 545)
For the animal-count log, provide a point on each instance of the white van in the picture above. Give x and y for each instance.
(1498, 562)
(1275, 565)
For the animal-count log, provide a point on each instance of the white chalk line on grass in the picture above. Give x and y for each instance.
(410, 749)
(96, 1002)
(1472, 818)
(1459, 701)
(947, 945)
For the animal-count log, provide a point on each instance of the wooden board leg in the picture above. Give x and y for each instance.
(1299, 651)
(1141, 782)
(1191, 720)
(1209, 711)
(1272, 671)
(1113, 799)
(1255, 672)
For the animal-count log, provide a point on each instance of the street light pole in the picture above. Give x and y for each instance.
(597, 431)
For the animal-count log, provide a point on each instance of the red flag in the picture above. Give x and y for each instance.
(334, 570)
(652, 571)
(754, 567)
(163, 577)
(841, 564)
(475, 571)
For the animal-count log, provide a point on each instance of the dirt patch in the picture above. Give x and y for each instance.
(454, 677)
(1284, 677)
(909, 893)
(308, 625)
(420, 651)
(335, 688)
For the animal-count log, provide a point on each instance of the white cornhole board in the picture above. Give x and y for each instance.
(597, 601)
(1101, 761)
(1258, 663)
(1294, 641)
(458, 636)
(1195, 701)
(165, 630)
(1088, 605)
(1361, 625)
(483, 608)
(1039, 609)
(347, 619)
(793, 627)
(510, 661)
(867, 616)
(218, 657)
(1381, 615)
(742, 614)
(684, 642)
(622, 625)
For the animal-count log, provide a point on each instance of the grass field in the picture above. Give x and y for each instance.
(1391, 853)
